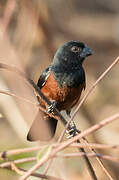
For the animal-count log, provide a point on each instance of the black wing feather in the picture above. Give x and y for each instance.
(43, 77)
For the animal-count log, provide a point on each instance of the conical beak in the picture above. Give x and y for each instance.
(86, 52)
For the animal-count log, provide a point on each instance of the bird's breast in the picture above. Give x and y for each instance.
(65, 97)
(72, 76)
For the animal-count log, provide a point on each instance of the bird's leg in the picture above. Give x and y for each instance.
(68, 112)
(50, 108)
(72, 132)
(73, 129)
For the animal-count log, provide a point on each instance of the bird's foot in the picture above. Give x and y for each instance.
(50, 108)
(72, 132)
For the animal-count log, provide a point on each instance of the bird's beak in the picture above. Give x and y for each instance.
(86, 52)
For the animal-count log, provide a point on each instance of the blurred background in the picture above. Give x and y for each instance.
(30, 33)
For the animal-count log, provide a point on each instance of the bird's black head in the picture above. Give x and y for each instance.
(71, 53)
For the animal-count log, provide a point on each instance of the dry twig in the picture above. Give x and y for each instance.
(70, 141)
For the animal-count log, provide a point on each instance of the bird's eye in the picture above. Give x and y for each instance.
(76, 49)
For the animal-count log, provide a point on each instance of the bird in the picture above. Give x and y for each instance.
(62, 82)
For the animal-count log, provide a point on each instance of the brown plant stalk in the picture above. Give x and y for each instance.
(70, 141)
(37, 148)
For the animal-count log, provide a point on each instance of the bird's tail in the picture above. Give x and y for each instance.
(43, 127)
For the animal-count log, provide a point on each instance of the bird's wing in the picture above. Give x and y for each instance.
(43, 77)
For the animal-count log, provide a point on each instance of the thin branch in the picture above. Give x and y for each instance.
(88, 163)
(96, 146)
(8, 153)
(88, 131)
(99, 160)
(16, 169)
(28, 101)
(48, 166)
(70, 141)
(43, 176)
(19, 151)
(12, 166)
(103, 156)
(21, 98)
(19, 161)
(37, 174)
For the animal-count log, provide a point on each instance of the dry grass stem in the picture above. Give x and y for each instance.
(103, 156)
(77, 145)
(38, 175)
(70, 141)
(18, 97)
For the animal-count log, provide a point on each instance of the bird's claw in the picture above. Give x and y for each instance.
(50, 108)
(72, 131)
